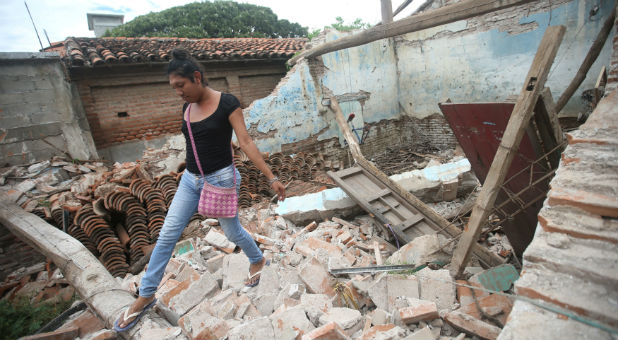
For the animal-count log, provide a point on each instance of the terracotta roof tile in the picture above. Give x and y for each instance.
(99, 51)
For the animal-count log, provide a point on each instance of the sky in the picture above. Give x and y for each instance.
(67, 18)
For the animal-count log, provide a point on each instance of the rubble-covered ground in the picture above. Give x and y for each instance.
(203, 291)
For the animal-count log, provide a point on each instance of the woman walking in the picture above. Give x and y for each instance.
(212, 115)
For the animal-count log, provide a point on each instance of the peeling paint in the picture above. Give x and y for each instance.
(476, 60)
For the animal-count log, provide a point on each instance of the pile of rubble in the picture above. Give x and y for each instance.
(117, 211)
(38, 283)
(203, 290)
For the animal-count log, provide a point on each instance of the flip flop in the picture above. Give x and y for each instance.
(250, 277)
(137, 316)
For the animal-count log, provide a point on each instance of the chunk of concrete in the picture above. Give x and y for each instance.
(315, 305)
(199, 323)
(258, 329)
(316, 278)
(380, 317)
(424, 333)
(349, 319)
(235, 269)
(291, 323)
(437, 286)
(384, 332)
(269, 280)
(189, 293)
(388, 287)
(421, 250)
(217, 239)
(309, 246)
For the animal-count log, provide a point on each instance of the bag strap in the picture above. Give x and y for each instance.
(197, 160)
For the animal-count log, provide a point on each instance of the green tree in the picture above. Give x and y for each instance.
(218, 19)
(341, 26)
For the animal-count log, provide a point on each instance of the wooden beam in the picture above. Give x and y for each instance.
(347, 133)
(387, 11)
(520, 117)
(592, 55)
(483, 254)
(96, 286)
(548, 127)
(451, 13)
(489, 258)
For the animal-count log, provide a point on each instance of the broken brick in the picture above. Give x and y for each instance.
(420, 310)
(330, 331)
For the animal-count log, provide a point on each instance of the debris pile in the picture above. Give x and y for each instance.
(117, 211)
(39, 283)
(298, 296)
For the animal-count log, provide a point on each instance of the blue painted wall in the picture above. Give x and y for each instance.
(411, 74)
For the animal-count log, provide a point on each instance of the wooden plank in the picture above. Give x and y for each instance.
(80, 268)
(410, 222)
(522, 112)
(546, 126)
(378, 195)
(366, 206)
(387, 11)
(591, 56)
(349, 171)
(434, 219)
(440, 16)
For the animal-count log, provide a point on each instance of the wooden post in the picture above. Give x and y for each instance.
(451, 13)
(483, 254)
(592, 55)
(347, 133)
(520, 117)
(85, 273)
(387, 11)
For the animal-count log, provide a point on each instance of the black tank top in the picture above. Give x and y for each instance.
(212, 137)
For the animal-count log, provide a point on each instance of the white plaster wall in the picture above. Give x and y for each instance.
(483, 59)
(491, 65)
(293, 111)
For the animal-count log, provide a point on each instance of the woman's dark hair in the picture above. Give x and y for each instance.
(183, 64)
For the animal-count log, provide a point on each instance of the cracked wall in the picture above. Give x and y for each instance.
(400, 81)
(39, 115)
(486, 58)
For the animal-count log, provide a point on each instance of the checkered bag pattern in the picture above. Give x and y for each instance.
(214, 201)
(218, 201)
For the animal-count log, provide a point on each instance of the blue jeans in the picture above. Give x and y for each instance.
(183, 206)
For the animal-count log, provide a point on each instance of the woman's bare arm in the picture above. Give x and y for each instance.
(250, 149)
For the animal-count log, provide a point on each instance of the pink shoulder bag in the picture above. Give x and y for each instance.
(214, 201)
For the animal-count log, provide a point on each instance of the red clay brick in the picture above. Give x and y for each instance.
(423, 310)
(330, 331)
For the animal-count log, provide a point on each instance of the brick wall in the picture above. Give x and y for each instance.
(256, 87)
(14, 253)
(139, 104)
(120, 113)
(431, 131)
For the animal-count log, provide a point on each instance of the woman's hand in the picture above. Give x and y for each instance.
(279, 189)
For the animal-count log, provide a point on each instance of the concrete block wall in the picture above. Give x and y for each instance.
(40, 116)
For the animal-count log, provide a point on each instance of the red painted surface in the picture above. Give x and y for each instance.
(478, 128)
